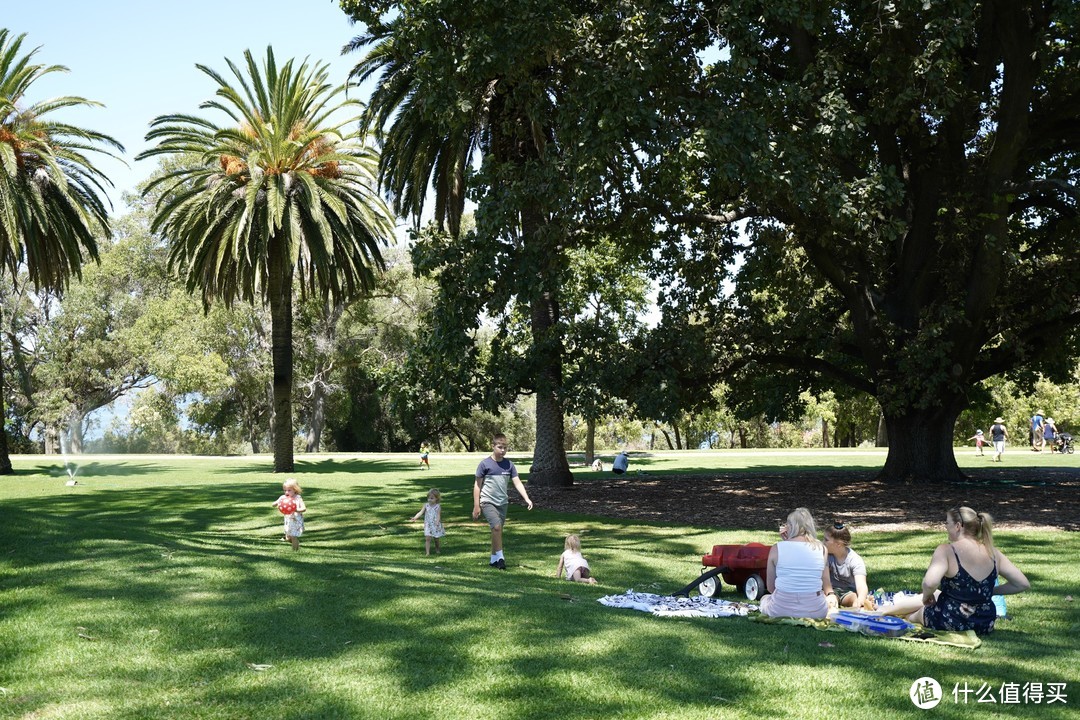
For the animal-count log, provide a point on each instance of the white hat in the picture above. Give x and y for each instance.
(999, 419)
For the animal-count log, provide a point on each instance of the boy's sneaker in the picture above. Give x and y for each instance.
(499, 564)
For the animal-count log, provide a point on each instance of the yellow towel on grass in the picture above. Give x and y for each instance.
(962, 639)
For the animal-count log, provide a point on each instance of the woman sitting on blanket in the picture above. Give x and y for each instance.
(847, 571)
(797, 575)
(961, 581)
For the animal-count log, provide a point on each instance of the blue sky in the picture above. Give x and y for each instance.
(138, 58)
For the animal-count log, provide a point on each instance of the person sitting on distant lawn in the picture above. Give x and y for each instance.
(620, 463)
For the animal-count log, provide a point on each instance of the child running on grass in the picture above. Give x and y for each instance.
(575, 564)
(979, 440)
(433, 527)
(293, 508)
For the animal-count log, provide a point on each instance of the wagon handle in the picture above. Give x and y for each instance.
(685, 592)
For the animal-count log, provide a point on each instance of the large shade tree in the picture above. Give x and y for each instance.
(501, 103)
(51, 195)
(908, 173)
(492, 113)
(280, 196)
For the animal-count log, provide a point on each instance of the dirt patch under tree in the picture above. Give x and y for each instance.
(1015, 497)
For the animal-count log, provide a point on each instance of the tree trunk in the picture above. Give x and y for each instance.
(52, 439)
(921, 448)
(824, 433)
(590, 441)
(667, 439)
(280, 291)
(550, 466)
(465, 442)
(75, 433)
(5, 459)
(882, 438)
(318, 419)
(678, 437)
(325, 340)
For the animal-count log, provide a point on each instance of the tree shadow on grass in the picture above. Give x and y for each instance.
(325, 466)
(94, 468)
(360, 624)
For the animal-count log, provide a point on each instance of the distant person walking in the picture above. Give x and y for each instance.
(490, 496)
(1049, 433)
(1037, 431)
(998, 435)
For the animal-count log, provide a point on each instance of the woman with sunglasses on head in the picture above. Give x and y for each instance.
(959, 585)
(846, 569)
(796, 574)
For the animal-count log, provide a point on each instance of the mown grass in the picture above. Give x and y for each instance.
(160, 588)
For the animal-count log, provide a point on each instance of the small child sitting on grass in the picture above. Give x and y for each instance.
(576, 566)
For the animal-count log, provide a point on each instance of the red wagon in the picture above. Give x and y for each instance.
(740, 565)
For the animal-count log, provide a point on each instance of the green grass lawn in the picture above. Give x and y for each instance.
(160, 588)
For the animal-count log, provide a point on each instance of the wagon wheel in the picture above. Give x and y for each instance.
(709, 587)
(1069, 449)
(754, 587)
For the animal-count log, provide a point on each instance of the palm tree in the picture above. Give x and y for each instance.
(51, 205)
(282, 195)
(426, 145)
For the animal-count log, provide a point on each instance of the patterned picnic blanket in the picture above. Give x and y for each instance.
(700, 606)
(668, 606)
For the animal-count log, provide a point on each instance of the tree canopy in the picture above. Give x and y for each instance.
(890, 189)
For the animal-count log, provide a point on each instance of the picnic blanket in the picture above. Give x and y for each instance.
(701, 606)
(669, 606)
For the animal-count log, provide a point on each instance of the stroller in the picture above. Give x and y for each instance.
(1064, 443)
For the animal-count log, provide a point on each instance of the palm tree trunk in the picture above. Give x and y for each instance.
(5, 459)
(281, 350)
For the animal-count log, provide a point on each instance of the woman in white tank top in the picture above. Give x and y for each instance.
(797, 575)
